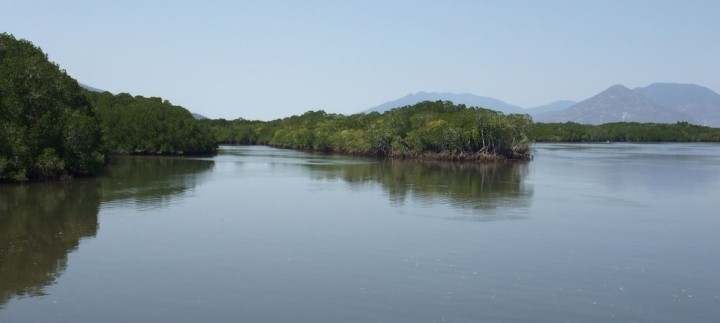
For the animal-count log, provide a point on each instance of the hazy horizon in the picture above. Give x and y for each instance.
(267, 60)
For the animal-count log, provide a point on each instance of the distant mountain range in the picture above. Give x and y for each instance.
(658, 102)
(90, 88)
(551, 107)
(700, 104)
(617, 103)
(463, 98)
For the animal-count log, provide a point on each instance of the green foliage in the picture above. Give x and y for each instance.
(433, 130)
(47, 126)
(623, 131)
(139, 125)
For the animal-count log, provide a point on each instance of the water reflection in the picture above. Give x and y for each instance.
(465, 186)
(151, 182)
(39, 225)
(471, 188)
(634, 167)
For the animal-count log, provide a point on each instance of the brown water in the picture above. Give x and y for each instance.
(584, 233)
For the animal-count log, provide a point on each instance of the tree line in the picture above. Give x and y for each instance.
(623, 132)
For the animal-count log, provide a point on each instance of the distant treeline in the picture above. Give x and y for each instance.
(623, 131)
(427, 130)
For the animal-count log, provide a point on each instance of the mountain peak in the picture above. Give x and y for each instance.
(672, 93)
(673, 85)
(700, 104)
(618, 87)
(616, 104)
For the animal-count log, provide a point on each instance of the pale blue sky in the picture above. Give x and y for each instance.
(271, 59)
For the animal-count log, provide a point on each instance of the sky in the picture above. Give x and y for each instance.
(272, 59)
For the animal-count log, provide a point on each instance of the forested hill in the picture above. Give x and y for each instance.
(427, 130)
(47, 126)
(50, 127)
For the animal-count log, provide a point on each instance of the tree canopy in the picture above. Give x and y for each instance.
(139, 125)
(47, 126)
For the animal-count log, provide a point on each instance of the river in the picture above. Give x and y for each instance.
(583, 233)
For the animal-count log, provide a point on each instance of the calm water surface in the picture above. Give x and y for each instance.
(584, 233)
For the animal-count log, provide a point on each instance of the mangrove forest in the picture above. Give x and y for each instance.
(50, 127)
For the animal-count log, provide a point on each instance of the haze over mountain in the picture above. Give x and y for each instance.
(700, 104)
(463, 98)
(658, 102)
(551, 107)
(615, 104)
(90, 88)
(198, 116)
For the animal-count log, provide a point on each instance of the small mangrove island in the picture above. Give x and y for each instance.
(437, 130)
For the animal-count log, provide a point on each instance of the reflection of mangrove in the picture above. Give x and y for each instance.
(151, 181)
(39, 225)
(461, 185)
